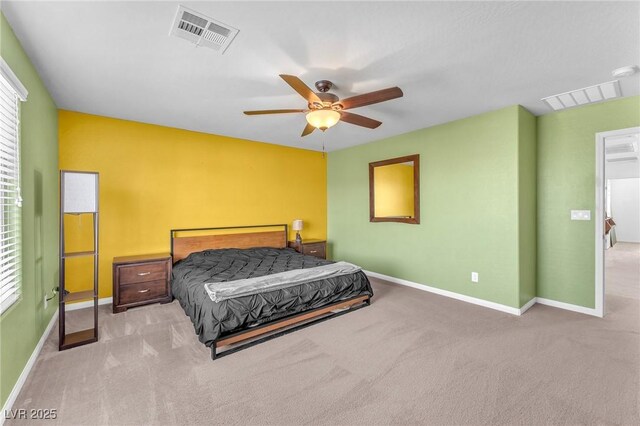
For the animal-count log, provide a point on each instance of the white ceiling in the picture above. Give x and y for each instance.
(452, 60)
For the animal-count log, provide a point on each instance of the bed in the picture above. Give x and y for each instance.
(217, 256)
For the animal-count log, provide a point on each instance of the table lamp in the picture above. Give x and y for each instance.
(297, 226)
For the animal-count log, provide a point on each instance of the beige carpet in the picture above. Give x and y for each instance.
(622, 270)
(410, 358)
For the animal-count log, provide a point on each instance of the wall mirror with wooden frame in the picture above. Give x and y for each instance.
(394, 190)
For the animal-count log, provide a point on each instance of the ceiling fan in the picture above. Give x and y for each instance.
(326, 109)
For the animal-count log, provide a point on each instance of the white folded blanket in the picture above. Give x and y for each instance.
(232, 289)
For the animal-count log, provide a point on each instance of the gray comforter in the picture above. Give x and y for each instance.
(213, 320)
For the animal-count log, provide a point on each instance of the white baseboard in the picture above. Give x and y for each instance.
(568, 306)
(27, 368)
(524, 308)
(88, 304)
(453, 295)
(486, 303)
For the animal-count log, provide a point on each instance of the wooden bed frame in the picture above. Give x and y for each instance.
(182, 246)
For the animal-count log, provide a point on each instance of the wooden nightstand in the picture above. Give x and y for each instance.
(317, 248)
(141, 280)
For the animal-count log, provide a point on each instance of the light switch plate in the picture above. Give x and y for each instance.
(580, 214)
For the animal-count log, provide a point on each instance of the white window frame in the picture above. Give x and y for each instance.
(11, 201)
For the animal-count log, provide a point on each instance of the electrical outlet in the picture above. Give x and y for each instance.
(474, 277)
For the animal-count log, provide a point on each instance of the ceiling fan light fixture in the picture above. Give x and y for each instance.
(323, 118)
(326, 109)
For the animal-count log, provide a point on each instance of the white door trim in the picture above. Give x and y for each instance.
(599, 213)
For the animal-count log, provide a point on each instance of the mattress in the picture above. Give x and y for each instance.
(213, 320)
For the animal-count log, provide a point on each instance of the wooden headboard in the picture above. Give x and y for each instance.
(182, 244)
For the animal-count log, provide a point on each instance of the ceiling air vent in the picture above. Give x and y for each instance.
(587, 95)
(202, 30)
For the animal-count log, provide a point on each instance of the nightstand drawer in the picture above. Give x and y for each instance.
(316, 249)
(140, 280)
(143, 272)
(141, 292)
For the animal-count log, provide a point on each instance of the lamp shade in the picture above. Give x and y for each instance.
(297, 225)
(323, 118)
(80, 192)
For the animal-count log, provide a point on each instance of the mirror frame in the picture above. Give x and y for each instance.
(416, 189)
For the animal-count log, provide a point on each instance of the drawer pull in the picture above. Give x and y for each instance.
(313, 251)
(143, 291)
(142, 274)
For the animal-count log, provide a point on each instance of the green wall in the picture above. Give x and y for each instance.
(566, 181)
(470, 212)
(23, 324)
(527, 204)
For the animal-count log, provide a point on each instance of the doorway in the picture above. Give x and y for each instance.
(617, 219)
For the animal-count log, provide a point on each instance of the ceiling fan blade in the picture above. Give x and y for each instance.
(359, 120)
(307, 130)
(273, 111)
(371, 98)
(299, 86)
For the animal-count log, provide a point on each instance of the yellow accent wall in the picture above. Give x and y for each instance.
(393, 190)
(154, 178)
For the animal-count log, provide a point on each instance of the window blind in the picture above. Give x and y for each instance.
(10, 200)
